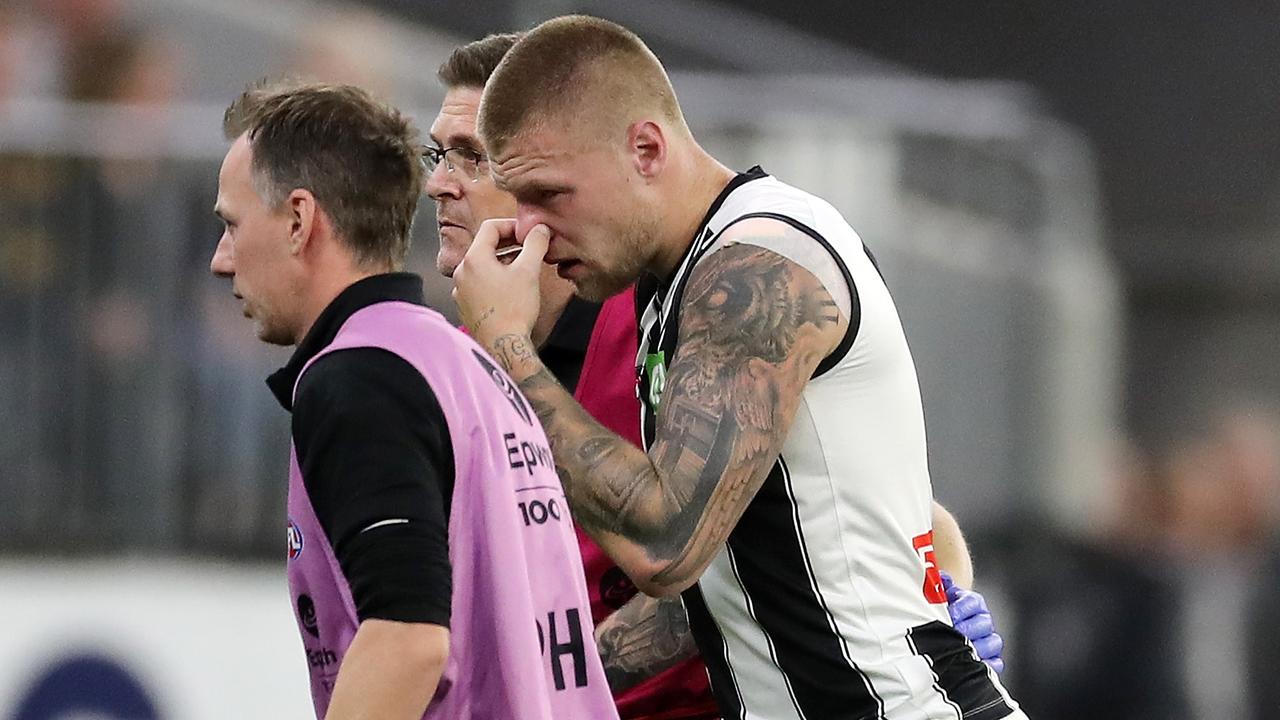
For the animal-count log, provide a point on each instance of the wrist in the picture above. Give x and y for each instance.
(516, 353)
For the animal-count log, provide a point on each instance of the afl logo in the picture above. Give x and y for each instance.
(294, 540)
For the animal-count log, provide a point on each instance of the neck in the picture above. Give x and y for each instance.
(701, 181)
(554, 293)
(324, 289)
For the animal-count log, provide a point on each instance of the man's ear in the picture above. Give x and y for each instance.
(304, 215)
(647, 146)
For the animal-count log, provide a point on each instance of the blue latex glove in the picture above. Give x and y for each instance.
(971, 617)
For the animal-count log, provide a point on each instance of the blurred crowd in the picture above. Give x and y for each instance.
(91, 268)
(86, 50)
(1169, 610)
(130, 391)
(134, 417)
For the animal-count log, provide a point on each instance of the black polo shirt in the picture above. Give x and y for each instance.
(373, 445)
(565, 348)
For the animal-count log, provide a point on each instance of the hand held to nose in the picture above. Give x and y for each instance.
(498, 296)
(491, 234)
(534, 247)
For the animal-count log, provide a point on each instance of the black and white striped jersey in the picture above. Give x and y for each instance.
(824, 604)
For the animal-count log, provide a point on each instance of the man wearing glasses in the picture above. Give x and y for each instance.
(590, 348)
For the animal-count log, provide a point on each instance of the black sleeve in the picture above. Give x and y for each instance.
(375, 454)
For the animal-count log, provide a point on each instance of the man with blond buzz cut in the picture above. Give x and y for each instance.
(784, 494)
(590, 349)
(428, 567)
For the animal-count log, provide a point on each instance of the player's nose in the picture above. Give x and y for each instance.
(527, 218)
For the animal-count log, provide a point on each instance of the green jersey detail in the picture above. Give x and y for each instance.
(655, 369)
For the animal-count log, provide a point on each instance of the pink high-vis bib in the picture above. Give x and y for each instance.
(521, 642)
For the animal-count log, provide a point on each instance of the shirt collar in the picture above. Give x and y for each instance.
(388, 287)
(572, 330)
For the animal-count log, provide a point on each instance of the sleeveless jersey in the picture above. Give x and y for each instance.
(824, 603)
(607, 390)
(521, 641)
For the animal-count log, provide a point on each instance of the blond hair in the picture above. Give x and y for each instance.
(573, 70)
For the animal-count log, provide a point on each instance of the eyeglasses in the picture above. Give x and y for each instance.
(464, 160)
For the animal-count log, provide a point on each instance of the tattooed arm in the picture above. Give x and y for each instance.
(753, 328)
(643, 638)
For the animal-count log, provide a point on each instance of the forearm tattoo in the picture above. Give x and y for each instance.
(754, 326)
(643, 638)
(512, 350)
